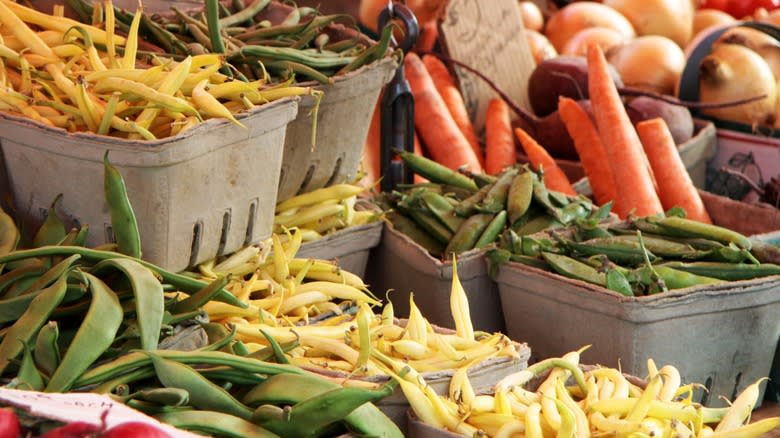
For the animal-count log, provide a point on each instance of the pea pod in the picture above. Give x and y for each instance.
(520, 195)
(10, 278)
(435, 172)
(214, 423)
(291, 389)
(617, 250)
(442, 209)
(468, 206)
(469, 233)
(148, 294)
(28, 376)
(682, 227)
(46, 352)
(52, 231)
(12, 308)
(493, 230)
(538, 224)
(616, 281)
(410, 229)
(496, 198)
(180, 281)
(573, 268)
(726, 271)
(94, 336)
(660, 246)
(203, 394)
(679, 279)
(315, 413)
(52, 274)
(430, 224)
(123, 221)
(31, 321)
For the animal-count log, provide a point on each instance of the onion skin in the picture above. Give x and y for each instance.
(603, 37)
(731, 72)
(540, 46)
(532, 16)
(652, 62)
(670, 18)
(706, 18)
(763, 44)
(569, 20)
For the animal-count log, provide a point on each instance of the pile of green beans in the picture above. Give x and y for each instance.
(642, 256)
(454, 213)
(74, 318)
(302, 45)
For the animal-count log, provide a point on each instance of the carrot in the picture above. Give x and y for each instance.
(499, 144)
(554, 178)
(371, 151)
(429, 34)
(634, 184)
(445, 85)
(587, 142)
(675, 188)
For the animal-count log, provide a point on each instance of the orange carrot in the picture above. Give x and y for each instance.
(587, 142)
(445, 85)
(433, 122)
(634, 185)
(429, 34)
(675, 187)
(554, 178)
(499, 144)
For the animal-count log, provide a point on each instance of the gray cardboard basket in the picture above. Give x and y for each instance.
(204, 193)
(483, 376)
(722, 336)
(350, 247)
(400, 264)
(342, 128)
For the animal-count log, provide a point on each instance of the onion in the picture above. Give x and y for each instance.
(772, 17)
(540, 46)
(569, 20)
(732, 72)
(652, 63)
(763, 44)
(706, 18)
(670, 18)
(603, 37)
(532, 16)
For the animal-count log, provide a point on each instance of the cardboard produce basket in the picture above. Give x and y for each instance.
(482, 377)
(204, 193)
(400, 264)
(722, 336)
(350, 247)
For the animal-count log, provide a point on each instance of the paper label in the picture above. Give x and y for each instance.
(86, 407)
(488, 36)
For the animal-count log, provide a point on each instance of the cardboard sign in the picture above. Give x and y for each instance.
(488, 36)
(86, 407)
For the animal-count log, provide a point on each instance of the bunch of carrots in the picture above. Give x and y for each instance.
(639, 169)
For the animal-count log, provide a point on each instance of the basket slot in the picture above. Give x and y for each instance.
(705, 397)
(335, 174)
(225, 230)
(197, 234)
(250, 223)
(307, 179)
(737, 383)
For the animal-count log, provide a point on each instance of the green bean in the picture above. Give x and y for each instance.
(573, 268)
(138, 359)
(373, 53)
(246, 14)
(181, 317)
(28, 376)
(162, 396)
(297, 68)
(108, 386)
(469, 233)
(50, 276)
(19, 274)
(288, 54)
(94, 336)
(219, 336)
(496, 198)
(726, 271)
(681, 227)
(46, 352)
(270, 32)
(435, 172)
(520, 195)
(203, 296)
(291, 389)
(620, 251)
(203, 393)
(492, 231)
(123, 221)
(148, 294)
(228, 374)
(12, 308)
(31, 321)
(184, 283)
(277, 350)
(316, 413)
(265, 354)
(660, 246)
(52, 231)
(214, 423)
(239, 349)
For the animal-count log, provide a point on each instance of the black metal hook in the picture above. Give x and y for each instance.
(397, 105)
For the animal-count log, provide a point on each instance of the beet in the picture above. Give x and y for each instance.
(677, 118)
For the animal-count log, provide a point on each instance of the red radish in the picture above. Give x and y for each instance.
(77, 429)
(134, 429)
(9, 424)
